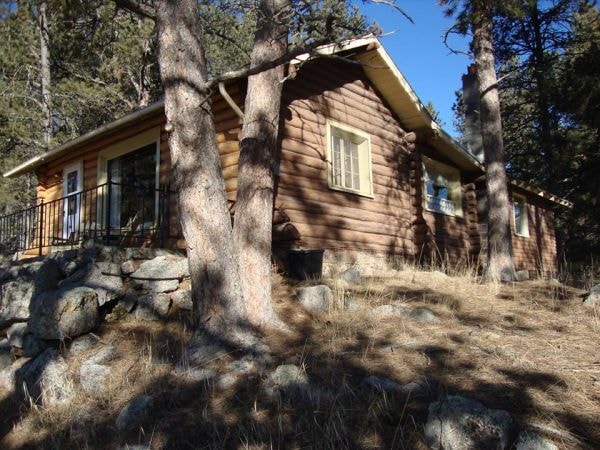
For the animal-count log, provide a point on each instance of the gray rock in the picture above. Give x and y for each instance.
(423, 315)
(104, 355)
(289, 379)
(351, 276)
(48, 275)
(15, 297)
(316, 299)
(528, 440)
(182, 299)
(102, 276)
(6, 357)
(24, 342)
(388, 311)
(194, 374)
(458, 423)
(383, 384)
(522, 275)
(226, 381)
(128, 267)
(134, 413)
(153, 307)
(46, 378)
(93, 377)
(242, 366)
(66, 312)
(161, 274)
(593, 299)
(83, 344)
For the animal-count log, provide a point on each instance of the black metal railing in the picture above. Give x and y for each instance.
(112, 214)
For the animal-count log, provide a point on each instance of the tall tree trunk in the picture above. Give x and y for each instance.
(205, 219)
(47, 125)
(500, 262)
(254, 204)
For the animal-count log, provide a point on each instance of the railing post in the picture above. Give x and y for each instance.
(108, 202)
(41, 233)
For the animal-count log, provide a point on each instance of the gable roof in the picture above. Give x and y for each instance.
(383, 74)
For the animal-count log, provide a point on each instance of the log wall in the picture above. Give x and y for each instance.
(330, 219)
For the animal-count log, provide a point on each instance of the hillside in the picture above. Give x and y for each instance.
(362, 374)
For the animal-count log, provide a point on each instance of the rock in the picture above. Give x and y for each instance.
(528, 440)
(128, 267)
(194, 374)
(46, 378)
(351, 276)
(153, 307)
(161, 274)
(593, 299)
(102, 276)
(423, 315)
(15, 297)
(226, 381)
(316, 299)
(93, 377)
(387, 311)
(134, 413)
(458, 423)
(47, 276)
(104, 355)
(288, 379)
(182, 299)
(6, 357)
(83, 343)
(521, 275)
(8, 375)
(242, 366)
(24, 341)
(66, 312)
(383, 384)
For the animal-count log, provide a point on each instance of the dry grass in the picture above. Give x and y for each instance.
(529, 348)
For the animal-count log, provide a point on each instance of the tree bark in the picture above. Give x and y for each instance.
(254, 203)
(206, 223)
(47, 126)
(500, 262)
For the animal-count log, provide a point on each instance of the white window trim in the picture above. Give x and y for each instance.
(151, 136)
(364, 144)
(457, 189)
(523, 200)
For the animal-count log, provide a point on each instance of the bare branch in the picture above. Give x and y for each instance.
(449, 31)
(137, 7)
(392, 4)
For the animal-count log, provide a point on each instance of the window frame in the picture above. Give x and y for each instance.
(454, 189)
(363, 143)
(522, 200)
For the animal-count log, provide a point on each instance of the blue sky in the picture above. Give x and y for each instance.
(419, 52)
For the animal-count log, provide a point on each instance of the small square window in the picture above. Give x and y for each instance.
(349, 160)
(442, 188)
(520, 216)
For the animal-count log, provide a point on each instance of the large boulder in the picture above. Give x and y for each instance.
(593, 300)
(46, 379)
(528, 440)
(15, 297)
(66, 312)
(161, 274)
(459, 423)
(102, 276)
(316, 299)
(24, 342)
(153, 307)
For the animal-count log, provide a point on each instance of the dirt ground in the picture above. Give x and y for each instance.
(529, 348)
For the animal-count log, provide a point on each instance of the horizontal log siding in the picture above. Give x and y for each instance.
(536, 253)
(332, 219)
(452, 239)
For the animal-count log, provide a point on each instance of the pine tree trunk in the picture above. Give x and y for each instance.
(254, 203)
(205, 218)
(500, 262)
(45, 75)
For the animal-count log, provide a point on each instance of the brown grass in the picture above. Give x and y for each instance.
(529, 348)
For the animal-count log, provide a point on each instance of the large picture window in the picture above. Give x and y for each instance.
(442, 188)
(349, 159)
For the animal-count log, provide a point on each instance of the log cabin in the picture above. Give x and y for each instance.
(362, 172)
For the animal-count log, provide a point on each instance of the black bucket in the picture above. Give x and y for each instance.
(305, 264)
